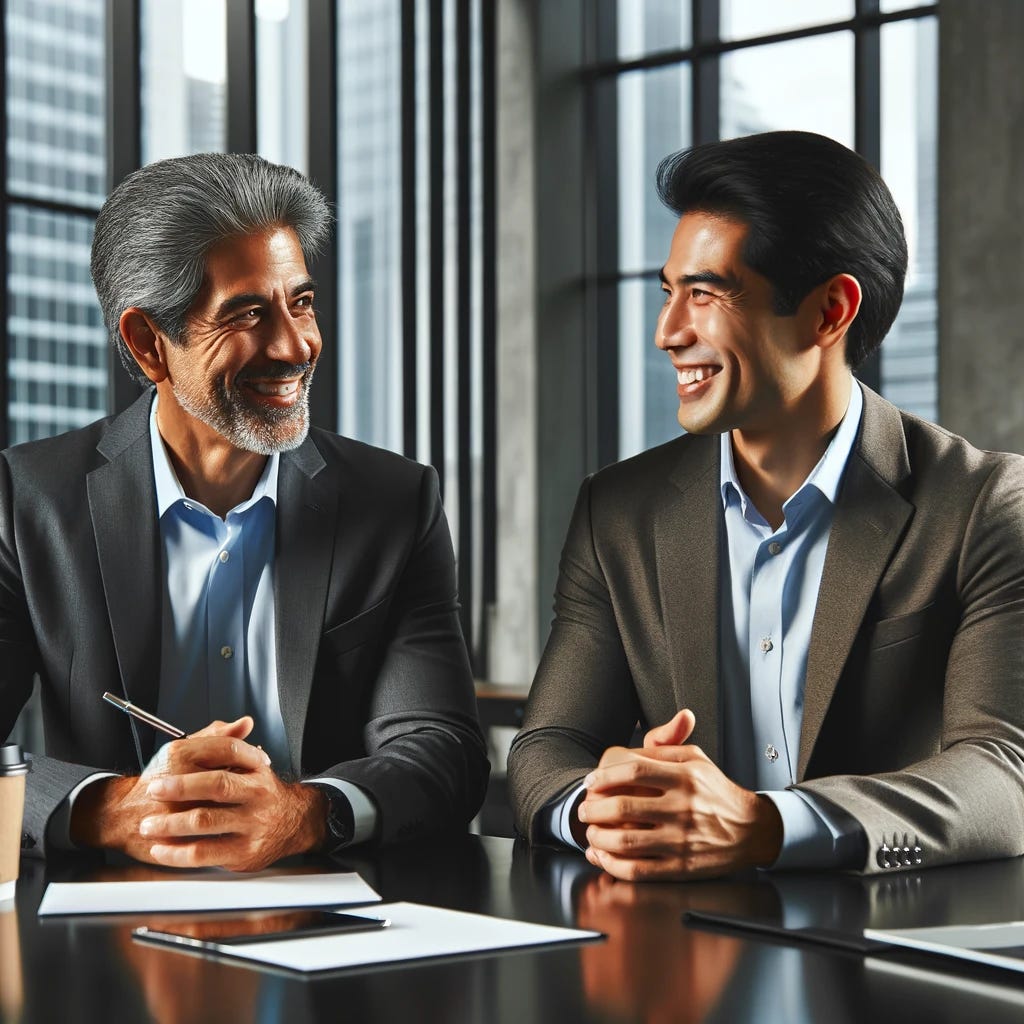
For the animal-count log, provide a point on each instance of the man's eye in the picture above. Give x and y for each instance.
(247, 316)
(699, 295)
(304, 302)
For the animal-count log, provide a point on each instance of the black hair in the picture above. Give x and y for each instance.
(814, 209)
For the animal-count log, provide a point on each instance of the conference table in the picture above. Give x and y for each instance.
(651, 966)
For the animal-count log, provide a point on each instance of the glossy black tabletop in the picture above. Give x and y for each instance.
(651, 967)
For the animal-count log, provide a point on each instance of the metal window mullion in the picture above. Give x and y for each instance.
(240, 16)
(409, 228)
(867, 91)
(124, 143)
(488, 301)
(322, 136)
(463, 325)
(705, 91)
(601, 248)
(435, 103)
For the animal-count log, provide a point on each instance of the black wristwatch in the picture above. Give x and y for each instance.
(341, 825)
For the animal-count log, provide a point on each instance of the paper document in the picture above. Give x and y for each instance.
(218, 892)
(416, 932)
(999, 945)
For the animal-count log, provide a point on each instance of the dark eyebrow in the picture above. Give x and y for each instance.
(727, 282)
(237, 302)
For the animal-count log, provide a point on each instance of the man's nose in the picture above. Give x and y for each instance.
(674, 328)
(293, 341)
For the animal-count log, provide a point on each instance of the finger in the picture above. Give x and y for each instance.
(658, 841)
(641, 869)
(223, 851)
(659, 768)
(239, 728)
(201, 753)
(197, 821)
(217, 787)
(616, 811)
(674, 732)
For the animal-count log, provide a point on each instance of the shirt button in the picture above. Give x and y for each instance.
(774, 548)
(766, 644)
(224, 556)
(226, 652)
(771, 753)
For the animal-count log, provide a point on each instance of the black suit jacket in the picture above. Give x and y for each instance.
(913, 717)
(374, 681)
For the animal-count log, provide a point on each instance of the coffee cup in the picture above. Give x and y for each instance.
(13, 768)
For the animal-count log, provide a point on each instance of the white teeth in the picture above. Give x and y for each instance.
(269, 388)
(692, 376)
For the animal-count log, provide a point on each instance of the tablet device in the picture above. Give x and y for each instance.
(259, 926)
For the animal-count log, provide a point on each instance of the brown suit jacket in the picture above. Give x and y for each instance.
(914, 695)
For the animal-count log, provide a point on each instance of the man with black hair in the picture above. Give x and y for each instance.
(812, 603)
(283, 595)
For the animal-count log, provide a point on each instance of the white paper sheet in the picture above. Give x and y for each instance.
(416, 932)
(224, 891)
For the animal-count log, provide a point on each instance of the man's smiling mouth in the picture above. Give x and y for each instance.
(695, 374)
(280, 389)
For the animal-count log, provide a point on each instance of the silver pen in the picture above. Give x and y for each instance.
(145, 716)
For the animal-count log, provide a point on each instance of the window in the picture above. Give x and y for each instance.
(666, 74)
(380, 102)
(55, 183)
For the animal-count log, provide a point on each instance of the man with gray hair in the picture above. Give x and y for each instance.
(284, 596)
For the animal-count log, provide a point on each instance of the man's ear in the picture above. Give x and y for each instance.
(839, 305)
(145, 342)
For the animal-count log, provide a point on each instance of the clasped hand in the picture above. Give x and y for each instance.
(210, 799)
(667, 812)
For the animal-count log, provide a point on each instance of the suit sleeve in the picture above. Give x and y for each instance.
(426, 766)
(966, 802)
(49, 781)
(582, 700)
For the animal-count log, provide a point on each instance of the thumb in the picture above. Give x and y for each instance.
(674, 732)
(240, 728)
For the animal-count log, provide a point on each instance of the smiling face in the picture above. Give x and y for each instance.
(739, 366)
(244, 365)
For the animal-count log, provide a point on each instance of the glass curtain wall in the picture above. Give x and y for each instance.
(56, 170)
(405, 87)
(667, 74)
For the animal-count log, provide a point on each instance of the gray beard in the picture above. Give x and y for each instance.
(263, 431)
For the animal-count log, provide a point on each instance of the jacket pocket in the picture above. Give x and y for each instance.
(899, 628)
(354, 632)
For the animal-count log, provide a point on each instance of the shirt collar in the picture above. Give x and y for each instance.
(826, 475)
(169, 490)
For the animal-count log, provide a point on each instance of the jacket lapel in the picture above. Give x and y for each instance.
(687, 555)
(124, 523)
(306, 512)
(870, 517)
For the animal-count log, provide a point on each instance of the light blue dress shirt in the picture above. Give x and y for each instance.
(218, 655)
(218, 658)
(769, 592)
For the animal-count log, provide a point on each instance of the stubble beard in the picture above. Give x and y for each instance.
(259, 430)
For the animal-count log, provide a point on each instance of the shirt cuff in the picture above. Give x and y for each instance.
(364, 810)
(556, 817)
(811, 836)
(58, 829)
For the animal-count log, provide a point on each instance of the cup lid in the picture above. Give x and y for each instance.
(12, 760)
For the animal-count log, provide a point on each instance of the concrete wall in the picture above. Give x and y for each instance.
(513, 624)
(981, 221)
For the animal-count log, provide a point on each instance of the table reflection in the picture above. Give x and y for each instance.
(12, 989)
(180, 987)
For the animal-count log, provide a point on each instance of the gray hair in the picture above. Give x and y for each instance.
(156, 228)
